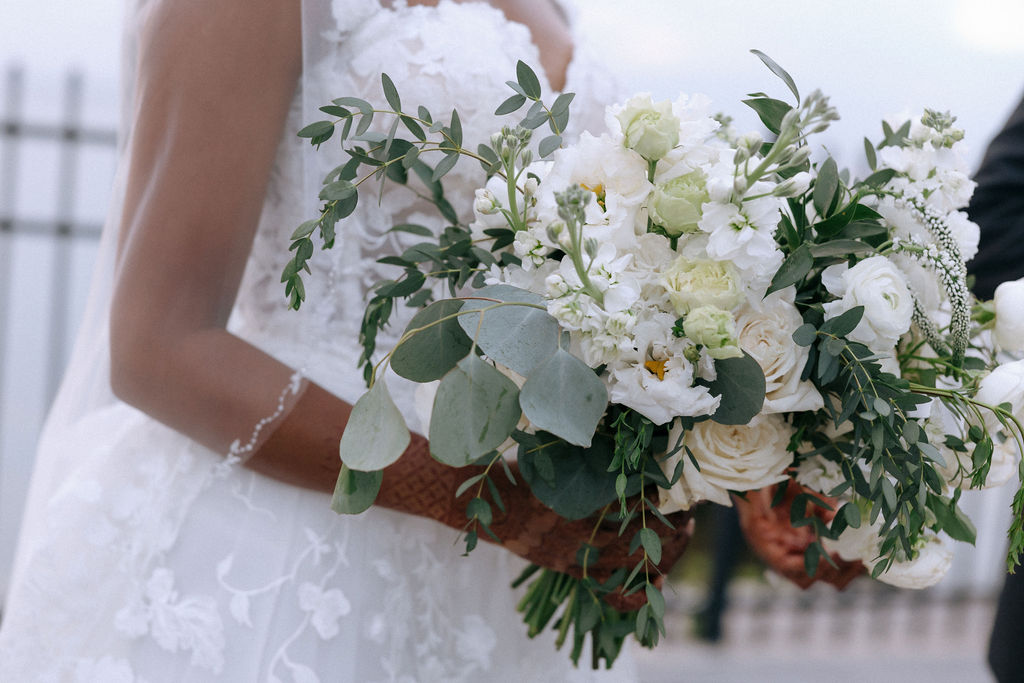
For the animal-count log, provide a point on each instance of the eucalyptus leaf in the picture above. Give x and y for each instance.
(564, 396)
(375, 435)
(476, 408)
(510, 105)
(549, 145)
(431, 353)
(579, 483)
(528, 80)
(740, 382)
(390, 92)
(770, 111)
(518, 337)
(355, 491)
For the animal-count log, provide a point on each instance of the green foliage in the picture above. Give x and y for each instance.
(740, 382)
(432, 344)
(564, 396)
(355, 491)
(475, 410)
(375, 435)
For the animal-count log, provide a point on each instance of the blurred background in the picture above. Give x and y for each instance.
(59, 63)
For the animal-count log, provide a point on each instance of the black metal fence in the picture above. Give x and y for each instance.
(53, 164)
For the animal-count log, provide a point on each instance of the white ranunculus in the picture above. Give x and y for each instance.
(731, 458)
(649, 128)
(714, 329)
(765, 331)
(934, 558)
(701, 282)
(1005, 384)
(877, 285)
(1009, 305)
(660, 396)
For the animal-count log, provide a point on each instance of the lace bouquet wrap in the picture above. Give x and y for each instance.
(672, 312)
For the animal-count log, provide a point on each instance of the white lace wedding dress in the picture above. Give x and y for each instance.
(154, 559)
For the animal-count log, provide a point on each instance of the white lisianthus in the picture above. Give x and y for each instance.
(675, 204)
(698, 282)
(731, 458)
(877, 285)
(660, 396)
(714, 329)
(765, 331)
(649, 128)
(618, 179)
(1009, 306)
(820, 474)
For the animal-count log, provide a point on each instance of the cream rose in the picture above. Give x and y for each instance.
(765, 332)
(877, 285)
(701, 282)
(1005, 384)
(1009, 305)
(731, 458)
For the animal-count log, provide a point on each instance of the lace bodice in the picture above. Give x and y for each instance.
(416, 47)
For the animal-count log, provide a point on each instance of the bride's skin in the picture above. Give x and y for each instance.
(215, 82)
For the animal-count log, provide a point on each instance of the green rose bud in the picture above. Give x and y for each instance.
(675, 205)
(650, 129)
(694, 283)
(714, 329)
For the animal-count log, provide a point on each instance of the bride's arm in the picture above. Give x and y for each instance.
(214, 88)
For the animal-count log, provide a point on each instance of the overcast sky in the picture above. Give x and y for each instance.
(874, 57)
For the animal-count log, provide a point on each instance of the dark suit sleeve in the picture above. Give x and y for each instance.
(998, 208)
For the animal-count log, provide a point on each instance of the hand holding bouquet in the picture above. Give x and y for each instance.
(673, 312)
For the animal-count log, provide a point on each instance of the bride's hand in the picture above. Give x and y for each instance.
(420, 485)
(781, 545)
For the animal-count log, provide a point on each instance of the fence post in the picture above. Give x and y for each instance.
(70, 139)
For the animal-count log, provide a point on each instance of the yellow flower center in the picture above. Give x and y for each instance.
(598, 190)
(656, 367)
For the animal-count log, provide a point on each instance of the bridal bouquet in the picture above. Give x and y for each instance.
(673, 312)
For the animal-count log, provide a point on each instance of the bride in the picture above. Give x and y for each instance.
(178, 524)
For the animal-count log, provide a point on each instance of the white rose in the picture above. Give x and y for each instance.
(765, 331)
(1009, 305)
(650, 129)
(731, 458)
(698, 282)
(877, 285)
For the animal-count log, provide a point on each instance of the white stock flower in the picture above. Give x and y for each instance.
(877, 285)
(744, 237)
(649, 128)
(1009, 307)
(731, 458)
(701, 282)
(660, 396)
(765, 331)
